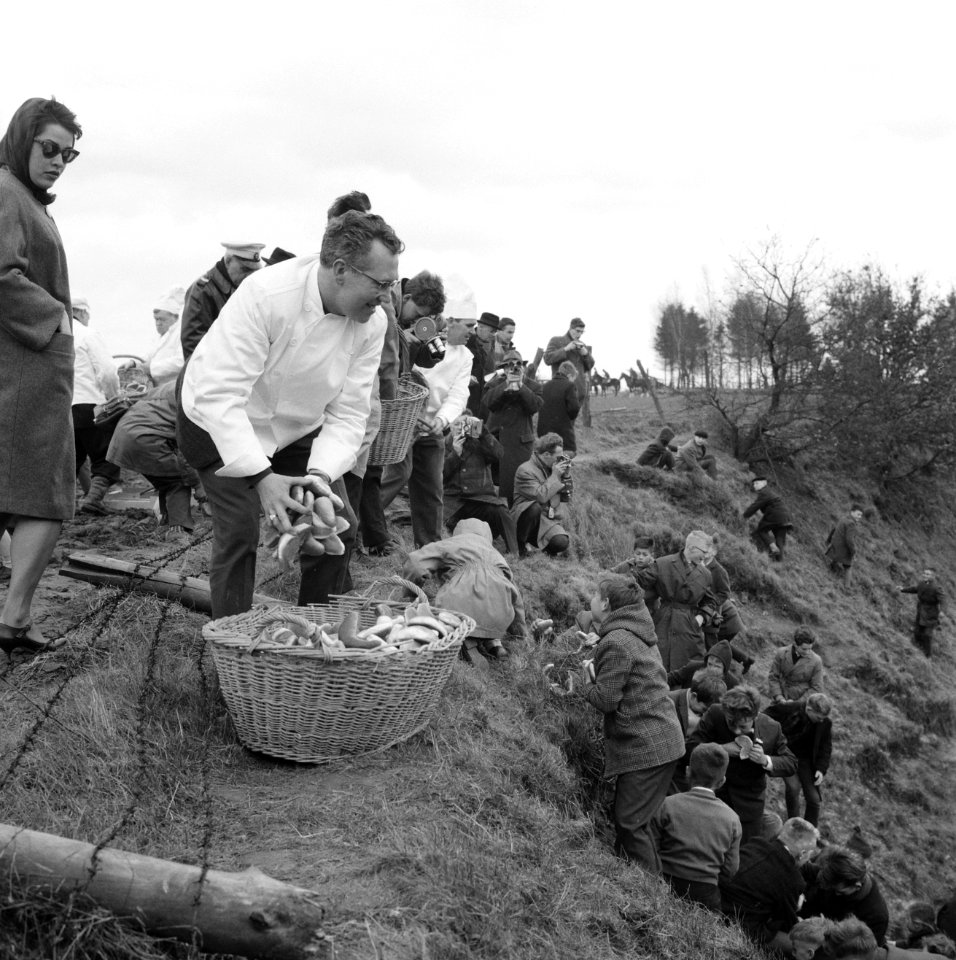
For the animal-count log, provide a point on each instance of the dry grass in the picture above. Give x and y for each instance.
(486, 836)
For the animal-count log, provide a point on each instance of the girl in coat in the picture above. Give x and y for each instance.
(479, 583)
(37, 457)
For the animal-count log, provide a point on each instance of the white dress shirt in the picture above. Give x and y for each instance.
(448, 384)
(274, 366)
(166, 359)
(94, 371)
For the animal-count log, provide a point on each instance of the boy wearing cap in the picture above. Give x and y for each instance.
(692, 457)
(208, 295)
(929, 598)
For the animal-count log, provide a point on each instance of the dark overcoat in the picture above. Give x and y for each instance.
(145, 438)
(204, 302)
(684, 591)
(37, 458)
(559, 410)
(511, 421)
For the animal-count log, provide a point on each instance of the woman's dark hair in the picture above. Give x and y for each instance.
(30, 118)
(620, 592)
(356, 200)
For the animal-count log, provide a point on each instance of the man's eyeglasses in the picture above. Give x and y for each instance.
(384, 286)
(50, 148)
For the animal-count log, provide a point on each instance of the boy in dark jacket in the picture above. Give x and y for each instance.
(808, 729)
(771, 532)
(757, 749)
(660, 453)
(764, 895)
(928, 601)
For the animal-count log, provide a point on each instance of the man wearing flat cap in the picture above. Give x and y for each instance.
(277, 396)
(569, 347)
(208, 295)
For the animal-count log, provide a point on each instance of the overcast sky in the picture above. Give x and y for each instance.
(565, 159)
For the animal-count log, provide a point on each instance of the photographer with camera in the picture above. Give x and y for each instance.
(470, 451)
(422, 467)
(543, 489)
(412, 339)
(512, 399)
(570, 347)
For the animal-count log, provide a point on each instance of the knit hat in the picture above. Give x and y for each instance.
(721, 650)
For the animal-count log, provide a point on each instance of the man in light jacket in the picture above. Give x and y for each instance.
(277, 395)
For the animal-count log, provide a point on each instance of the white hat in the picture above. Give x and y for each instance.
(460, 302)
(171, 301)
(243, 250)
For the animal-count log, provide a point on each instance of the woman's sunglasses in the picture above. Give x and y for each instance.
(50, 148)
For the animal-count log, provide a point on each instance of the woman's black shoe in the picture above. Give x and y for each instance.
(15, 638)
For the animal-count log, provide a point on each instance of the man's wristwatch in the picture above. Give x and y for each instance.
(322, 475)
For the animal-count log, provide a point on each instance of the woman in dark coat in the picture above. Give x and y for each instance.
(37, 460)
(512, 400)
(561, 406)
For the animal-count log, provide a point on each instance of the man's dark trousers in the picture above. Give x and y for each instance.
(235, 529)
(422, 470)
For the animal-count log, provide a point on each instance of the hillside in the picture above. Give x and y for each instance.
(487, 835)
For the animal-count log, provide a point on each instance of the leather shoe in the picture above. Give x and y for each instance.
(15, 638)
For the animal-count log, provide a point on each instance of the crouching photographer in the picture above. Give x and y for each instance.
(470, 451)
(542, 497)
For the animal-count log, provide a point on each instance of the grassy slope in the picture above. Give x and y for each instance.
(487, 835)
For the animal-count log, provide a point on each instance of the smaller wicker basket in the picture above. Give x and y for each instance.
(399, 418)
(298, 704)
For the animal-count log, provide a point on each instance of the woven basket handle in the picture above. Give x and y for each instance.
(394, 581)
(278, 615)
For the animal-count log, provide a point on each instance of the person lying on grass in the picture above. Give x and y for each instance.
(642, 736)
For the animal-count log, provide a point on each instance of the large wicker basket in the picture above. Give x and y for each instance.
(298, 705)
(399, 418)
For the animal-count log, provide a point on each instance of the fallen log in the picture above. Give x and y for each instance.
(247, 913)
(192, 592)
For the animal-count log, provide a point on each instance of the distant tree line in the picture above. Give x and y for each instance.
(845, 366)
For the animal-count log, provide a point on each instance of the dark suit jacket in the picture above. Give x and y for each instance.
(746, 781)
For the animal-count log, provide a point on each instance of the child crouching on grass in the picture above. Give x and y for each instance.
(643, 742)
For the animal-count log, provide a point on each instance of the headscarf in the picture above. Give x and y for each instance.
(17, 143)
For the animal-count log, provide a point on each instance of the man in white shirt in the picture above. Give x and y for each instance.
(165, 360)
(94, 382)
(280, 389)
(448, 383)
